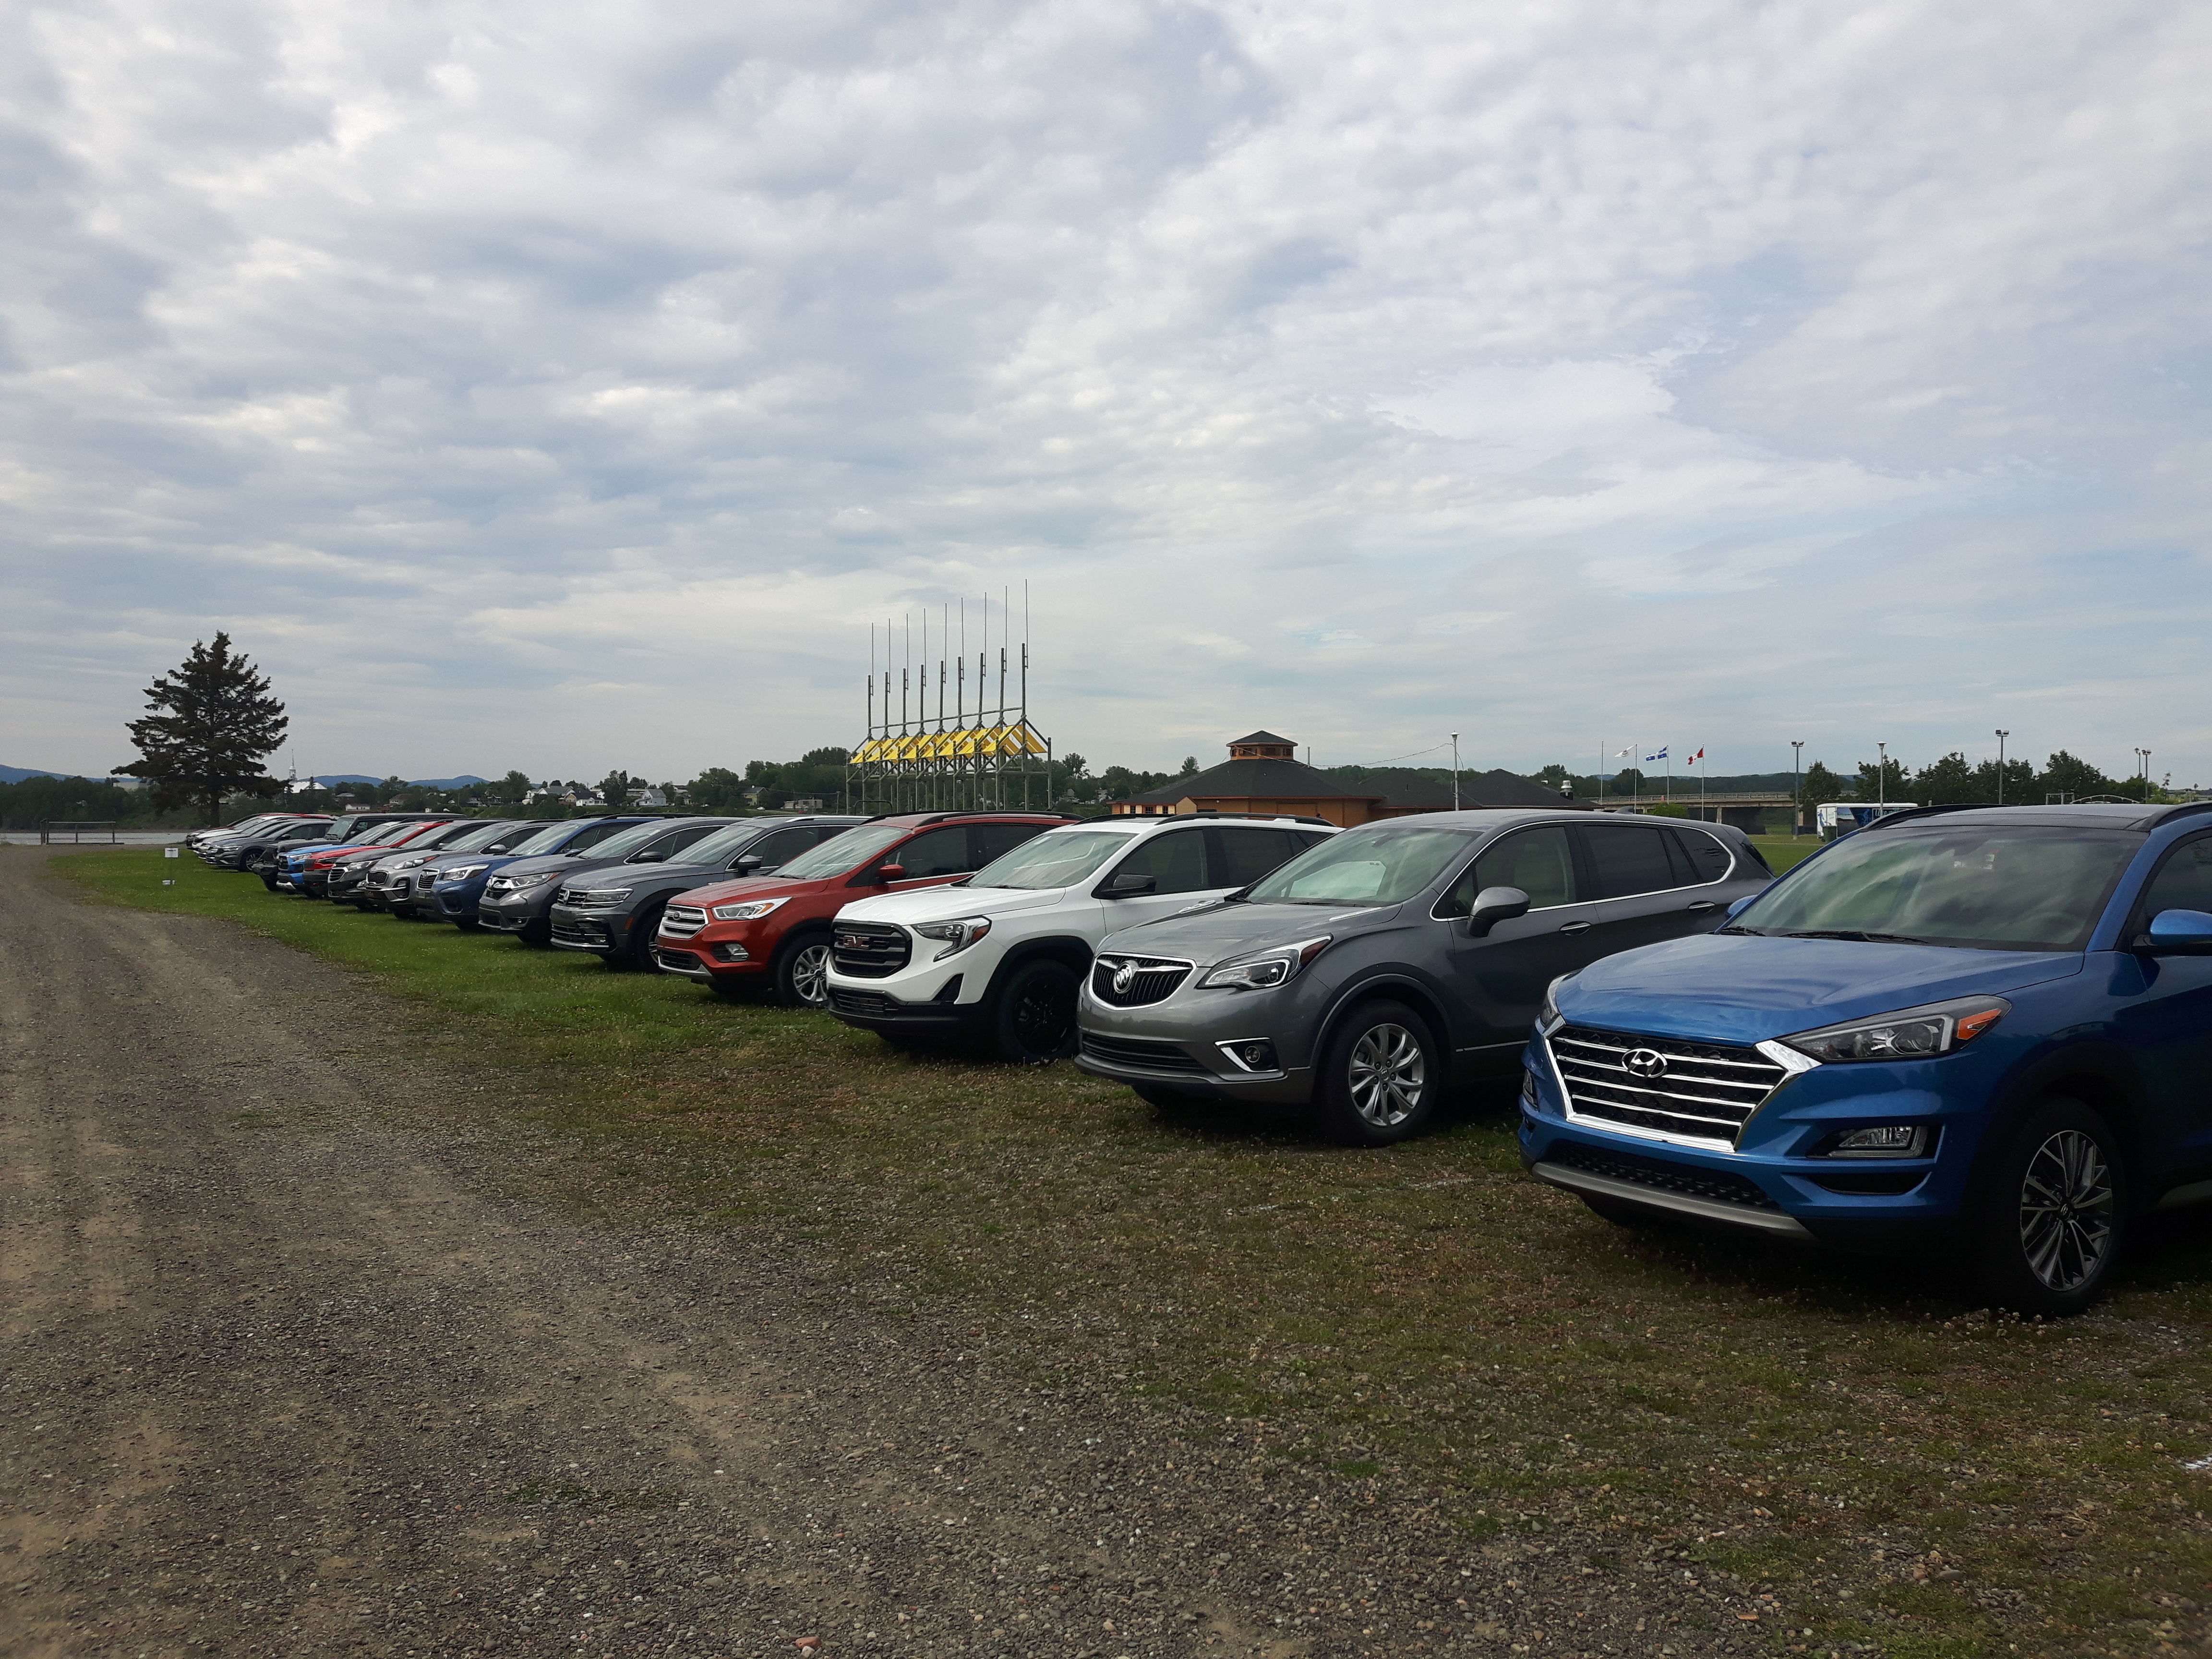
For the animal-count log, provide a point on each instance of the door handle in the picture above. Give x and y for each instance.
(1702, 904)
(1574, 928)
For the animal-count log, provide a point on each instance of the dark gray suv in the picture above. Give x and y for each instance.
(1373, 970)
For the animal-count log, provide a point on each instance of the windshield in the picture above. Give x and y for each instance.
(727, 844)
(544, 840)
(1375, 865)
(1058, 858)
(484, 835)
(848, 852)
(1984, 887)
(378, 835)
(623, 842)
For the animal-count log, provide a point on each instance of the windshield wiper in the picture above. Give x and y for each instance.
(1733, 927)
(1857, 936)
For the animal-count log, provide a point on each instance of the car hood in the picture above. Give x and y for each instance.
(538, 863)
(944, 904)
(1216, 932)
(752, 887)
(1734, 987)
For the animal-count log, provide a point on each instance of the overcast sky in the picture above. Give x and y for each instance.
(566, 385)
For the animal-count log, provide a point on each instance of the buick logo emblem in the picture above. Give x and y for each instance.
(1646, 1063)
(1125, 975)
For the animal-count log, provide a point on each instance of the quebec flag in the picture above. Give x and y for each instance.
(1661, 755)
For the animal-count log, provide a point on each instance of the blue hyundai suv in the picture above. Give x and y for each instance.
(1983, 1032)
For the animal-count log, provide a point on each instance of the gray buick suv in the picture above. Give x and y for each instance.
(1400, 958)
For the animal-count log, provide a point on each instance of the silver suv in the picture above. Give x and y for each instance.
(1372, 971)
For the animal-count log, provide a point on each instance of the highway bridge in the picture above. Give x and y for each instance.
(1745, 812)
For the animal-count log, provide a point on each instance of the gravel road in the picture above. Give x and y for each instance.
(283, 1374)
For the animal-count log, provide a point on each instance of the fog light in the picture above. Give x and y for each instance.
(733, 953)
(1250, 1054)
(1885, 1141)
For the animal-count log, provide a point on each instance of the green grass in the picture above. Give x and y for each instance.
(1781, 852)
(1810, 1424)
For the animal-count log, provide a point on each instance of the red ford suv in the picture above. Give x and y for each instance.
(775, 930)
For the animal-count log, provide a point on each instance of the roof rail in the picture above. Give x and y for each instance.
(1270, 818)
(1912, 812)
(922, 815)
(2186, 808)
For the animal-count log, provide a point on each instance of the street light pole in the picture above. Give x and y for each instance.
(2002, 735)
(1454, 736)
(1796, 786)
(1881, 779)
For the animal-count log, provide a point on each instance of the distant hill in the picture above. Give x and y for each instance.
(461, 782)
(17, 773)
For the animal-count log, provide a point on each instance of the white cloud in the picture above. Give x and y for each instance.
(571, 388)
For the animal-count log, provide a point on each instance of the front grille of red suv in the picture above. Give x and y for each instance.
(681, 920)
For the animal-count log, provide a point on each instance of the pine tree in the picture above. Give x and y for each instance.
(211, 722)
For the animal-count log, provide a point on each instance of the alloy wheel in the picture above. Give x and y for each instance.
(2066, 1211)
(1044, 1018)
(809, 971)
(1388, 1073)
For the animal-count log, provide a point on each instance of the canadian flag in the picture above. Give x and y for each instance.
(1695, 758)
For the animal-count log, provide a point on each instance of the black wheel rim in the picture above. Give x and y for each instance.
(1044, 1018)
(2066, 1209)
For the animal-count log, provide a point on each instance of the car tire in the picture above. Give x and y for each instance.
(1380, 1077)
(642, 933)
(802, 968)
(270, 882)
(1034, 1024)
(2046, 1221)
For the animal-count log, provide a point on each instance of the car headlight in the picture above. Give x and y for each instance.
(460, 871)
(750, 910)
(515, 884)
(1547, 1017)
(1908, 1034)
(594, 898)
(1264, 969)
(956, 935)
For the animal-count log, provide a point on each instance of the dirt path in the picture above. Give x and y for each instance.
(282, 1378)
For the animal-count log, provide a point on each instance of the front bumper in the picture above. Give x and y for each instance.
(602, 932)
(1177, 1044)
(515, 911)
(1775, 1180)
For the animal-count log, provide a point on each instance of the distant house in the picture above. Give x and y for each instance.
(579, 794)
(804, 804)
(1262, 775)
(650, 798)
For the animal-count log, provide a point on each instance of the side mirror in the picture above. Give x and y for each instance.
(747, 863)
(1128, 884)
(1493, 905)
(1737, 908)
(651, 855)
(891, 873)
(2181, 933)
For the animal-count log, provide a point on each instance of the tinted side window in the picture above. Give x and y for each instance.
(989, 840)
(1176, 862)
(1250, 853)
(1539, 862)
(935, 852)
(1708, 859)
(2184, 882)
(590, 837)
(773, 849)
(1629, 859)
(676, 840)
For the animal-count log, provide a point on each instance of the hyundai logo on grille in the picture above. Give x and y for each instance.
(1646, 1063)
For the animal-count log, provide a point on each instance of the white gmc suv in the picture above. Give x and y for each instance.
(999, 957)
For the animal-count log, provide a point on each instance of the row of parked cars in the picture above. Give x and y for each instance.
(1982, 1033)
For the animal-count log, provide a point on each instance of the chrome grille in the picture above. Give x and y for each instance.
(1122, 981)
(1136, 1053)
(681, 920)
(869, 949)
(1662, 1085)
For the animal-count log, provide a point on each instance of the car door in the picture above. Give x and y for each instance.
(2165, 1016)
(931, 857)
(1181, 873)
(1640, 875)
(1245, 852)
(1499, 979)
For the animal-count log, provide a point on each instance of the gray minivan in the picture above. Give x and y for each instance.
(1387, 963)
